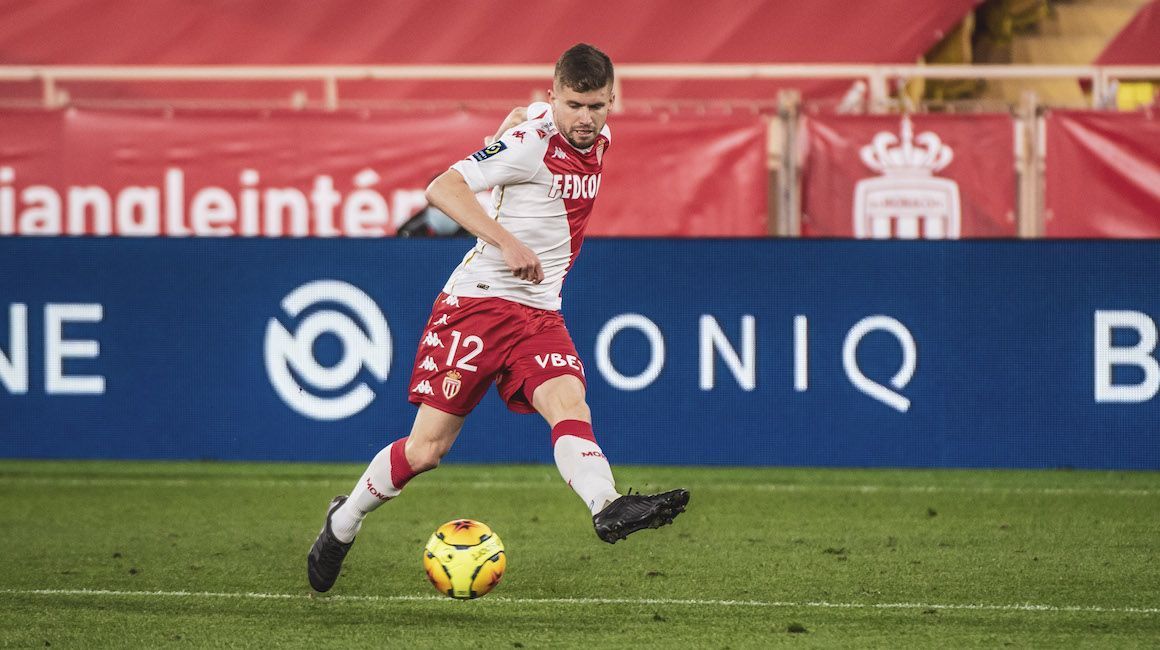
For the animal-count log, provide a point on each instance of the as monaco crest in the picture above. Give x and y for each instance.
(451, 384)
(908, 201)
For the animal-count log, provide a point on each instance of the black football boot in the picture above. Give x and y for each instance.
(324, 562)
(633, 512)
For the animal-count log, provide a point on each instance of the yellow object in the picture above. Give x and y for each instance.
(1131, 95)
(464, 559)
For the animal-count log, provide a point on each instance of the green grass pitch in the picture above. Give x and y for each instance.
(120, 554)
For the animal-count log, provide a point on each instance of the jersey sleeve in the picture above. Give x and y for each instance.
(514, 158)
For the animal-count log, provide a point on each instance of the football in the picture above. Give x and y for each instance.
(464, 559)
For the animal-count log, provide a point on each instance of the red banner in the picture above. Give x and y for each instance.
(82, 172)
(1103, 174)
(916, 177)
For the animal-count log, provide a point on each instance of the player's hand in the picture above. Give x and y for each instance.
(522, 262)
(519, 115)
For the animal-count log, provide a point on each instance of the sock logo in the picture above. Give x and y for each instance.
(328, 391)
(375, 493)
(591, 454)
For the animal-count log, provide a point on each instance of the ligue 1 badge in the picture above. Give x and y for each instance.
(489, 151)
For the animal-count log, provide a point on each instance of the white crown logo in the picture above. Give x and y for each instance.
(889, 155)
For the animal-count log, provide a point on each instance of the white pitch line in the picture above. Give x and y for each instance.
(695, 602)
(520, 485)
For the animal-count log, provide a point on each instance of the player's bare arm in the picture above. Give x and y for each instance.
(519, 115)
(450, 193)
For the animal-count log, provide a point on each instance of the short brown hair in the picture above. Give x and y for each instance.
(584, 68)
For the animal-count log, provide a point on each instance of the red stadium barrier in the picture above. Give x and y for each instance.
(918, 177)
(87, 172)
(355, 32)
(1103, 174)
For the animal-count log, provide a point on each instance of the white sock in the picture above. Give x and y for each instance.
(583, 465)
(381, 482)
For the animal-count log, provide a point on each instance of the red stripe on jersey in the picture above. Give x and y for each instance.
(576, 178)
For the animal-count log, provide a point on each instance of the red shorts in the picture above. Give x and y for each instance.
(470, 342)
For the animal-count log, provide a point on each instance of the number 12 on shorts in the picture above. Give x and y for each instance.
(472, 345)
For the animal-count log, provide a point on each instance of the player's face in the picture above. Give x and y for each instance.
(580, 116)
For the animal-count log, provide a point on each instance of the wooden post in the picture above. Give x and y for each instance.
(789, 218)
(1027, 162)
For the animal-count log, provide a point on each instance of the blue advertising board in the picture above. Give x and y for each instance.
(749, 352)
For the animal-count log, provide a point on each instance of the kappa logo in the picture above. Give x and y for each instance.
(451, 300)
(432, 339)
(907, 201)
(423, 388)
(489, 151)
(451, 384)
(429, 364)
(328, 389)
(442, 320)
(559, 153)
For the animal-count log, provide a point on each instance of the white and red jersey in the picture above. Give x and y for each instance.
(543, 190)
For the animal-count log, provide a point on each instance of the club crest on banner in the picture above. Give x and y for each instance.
(907, 201)
(451, 384)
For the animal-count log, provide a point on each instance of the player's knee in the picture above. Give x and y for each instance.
(562, 398)
(575, 408)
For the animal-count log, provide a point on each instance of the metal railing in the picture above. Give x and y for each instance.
(877, 77)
